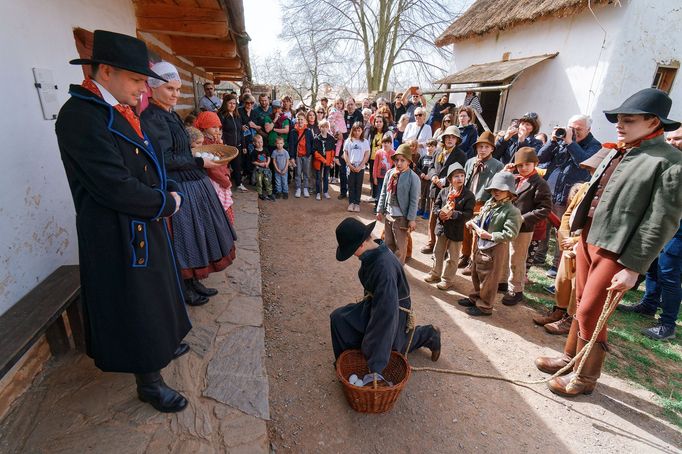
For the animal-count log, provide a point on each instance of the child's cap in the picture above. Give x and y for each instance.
(502, 181)
(207, 120)
(455, 167)
(524, 155)
(276, 103)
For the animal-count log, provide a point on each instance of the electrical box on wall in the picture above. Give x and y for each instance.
(47, 92)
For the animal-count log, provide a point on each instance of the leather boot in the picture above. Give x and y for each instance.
(561, 327)
(552, 364)
(192, 298)
(572, 385)
(434, 344)
(202, 290)
(556, 314)
(152, 389)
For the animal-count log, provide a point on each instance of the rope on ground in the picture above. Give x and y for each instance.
(612, 300)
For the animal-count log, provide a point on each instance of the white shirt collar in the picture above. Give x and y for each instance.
(106, 95)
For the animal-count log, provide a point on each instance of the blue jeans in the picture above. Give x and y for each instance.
(281, 183)
(322, 179)
(663, 287)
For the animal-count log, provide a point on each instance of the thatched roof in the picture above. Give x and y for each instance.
(487, 16)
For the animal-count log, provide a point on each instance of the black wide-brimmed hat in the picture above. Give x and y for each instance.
(648, 101)
(350, 234)
(122, 51)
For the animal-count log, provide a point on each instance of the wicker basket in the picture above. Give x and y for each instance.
(370, 399)
(226, 152)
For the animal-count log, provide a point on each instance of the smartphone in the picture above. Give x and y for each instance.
(514, 123)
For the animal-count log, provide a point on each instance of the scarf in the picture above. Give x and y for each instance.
(444, 155)
(488, 209)
(520, 180)
(454, 193)
(392, 188)
(622, 147)
(124, 110)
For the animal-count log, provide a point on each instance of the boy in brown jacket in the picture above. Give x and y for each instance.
(534, 200)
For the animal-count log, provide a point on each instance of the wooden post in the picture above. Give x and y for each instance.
(57, 338)
(75, 314)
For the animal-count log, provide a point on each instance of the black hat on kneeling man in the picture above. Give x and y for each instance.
(350, 234)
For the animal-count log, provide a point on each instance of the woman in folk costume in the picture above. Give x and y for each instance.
(209, 123)
(631, 209)
(398, 202)
(379, 323)
(203, 237)
(133, 308)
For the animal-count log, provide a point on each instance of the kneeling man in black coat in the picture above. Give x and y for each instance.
(377, 324)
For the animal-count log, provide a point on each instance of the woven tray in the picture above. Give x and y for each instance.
(368, 399)
(226, 152)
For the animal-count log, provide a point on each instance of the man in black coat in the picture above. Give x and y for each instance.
(377, 324)
(135, 318)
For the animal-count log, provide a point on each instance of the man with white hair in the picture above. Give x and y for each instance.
(418, 130)
(561, 156)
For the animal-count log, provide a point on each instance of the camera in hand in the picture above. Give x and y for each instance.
(560, 133)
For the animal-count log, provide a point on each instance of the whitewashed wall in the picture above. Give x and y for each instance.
(583, 78)
(37, 219)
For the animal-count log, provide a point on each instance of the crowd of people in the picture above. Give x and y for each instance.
(492, 200)
(489, 201)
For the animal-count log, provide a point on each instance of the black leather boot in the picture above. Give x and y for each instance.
(192, 298)
(152, 389)
(181, 350)
(201, 289)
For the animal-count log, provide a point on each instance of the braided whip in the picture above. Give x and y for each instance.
(612, 300)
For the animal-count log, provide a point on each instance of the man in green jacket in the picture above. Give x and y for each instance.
(631, 209)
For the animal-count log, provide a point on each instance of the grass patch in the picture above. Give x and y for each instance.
(652, 364)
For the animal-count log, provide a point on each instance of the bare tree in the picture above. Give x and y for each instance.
(307, 66)
(376, 37)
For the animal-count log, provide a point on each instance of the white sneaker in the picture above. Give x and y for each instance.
(242, 188)
(357, 208)
(297, 194)
(317, 197)
(351, 207)
(306, 194)
(326, 195)
(372, 200)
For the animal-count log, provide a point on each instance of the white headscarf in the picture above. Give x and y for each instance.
(165, 70)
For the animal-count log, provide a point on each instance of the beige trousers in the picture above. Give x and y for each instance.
(396, 236)
(518, 253)
(443, 245)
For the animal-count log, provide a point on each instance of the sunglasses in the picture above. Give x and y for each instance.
(248, 102)
(532, 115)
(418, 115)
(320, 111)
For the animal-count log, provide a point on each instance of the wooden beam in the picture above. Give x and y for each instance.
(224, 63)
(175, 26)
(203, 47)
(173, 12)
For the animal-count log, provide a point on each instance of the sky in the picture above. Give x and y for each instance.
(263, 24)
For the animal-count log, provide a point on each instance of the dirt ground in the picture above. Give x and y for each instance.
(303, 283)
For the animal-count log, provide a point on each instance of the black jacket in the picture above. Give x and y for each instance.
(506, 149)
(232, 130)
(135, 315)
(453, 228)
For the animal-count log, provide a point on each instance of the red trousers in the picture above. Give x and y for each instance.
(595, 267)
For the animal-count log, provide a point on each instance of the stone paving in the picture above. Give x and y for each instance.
(73, 407)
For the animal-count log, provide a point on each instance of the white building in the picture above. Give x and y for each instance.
(562, 57)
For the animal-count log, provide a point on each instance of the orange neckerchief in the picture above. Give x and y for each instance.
(454, 193)
(520, 180)
(620, 146)
(124, 110)
(393, 182)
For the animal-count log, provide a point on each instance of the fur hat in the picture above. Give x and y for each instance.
(524, 155)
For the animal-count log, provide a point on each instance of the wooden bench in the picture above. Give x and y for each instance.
(40, 312)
